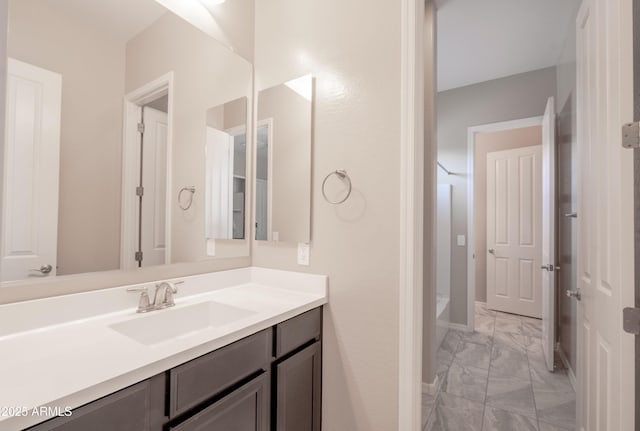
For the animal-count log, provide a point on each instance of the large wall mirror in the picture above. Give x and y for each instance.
(110, 110)
(283, 162)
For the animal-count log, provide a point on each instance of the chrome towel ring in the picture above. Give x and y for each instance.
(187, 205)
(342, 174)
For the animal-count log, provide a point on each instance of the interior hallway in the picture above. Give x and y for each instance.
(495, 379)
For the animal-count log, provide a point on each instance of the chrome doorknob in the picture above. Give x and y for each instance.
(574, 294)
(492, 251)
(550, 267)
(44, 269)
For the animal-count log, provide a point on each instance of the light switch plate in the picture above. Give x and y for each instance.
(461, 240)
(275, 236)
(303, 254)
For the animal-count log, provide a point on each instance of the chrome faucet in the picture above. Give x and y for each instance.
(162, 298)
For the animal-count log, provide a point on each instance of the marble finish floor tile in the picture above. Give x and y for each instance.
(533, 329)
(502, 420)
(453, 413)
(544, 380)
(508, 325)
(478, 338)
(558, 408)
(502, 365)
(508, 362)
(466, 382)
(474, 355)
(510, 394)
(428, 403)
(485, 325)
(511, 340)
(451, 341)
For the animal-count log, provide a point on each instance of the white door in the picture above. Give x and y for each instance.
(548, 267)
(154, 181)
(32, 163)
(605, 263)
(513, 231)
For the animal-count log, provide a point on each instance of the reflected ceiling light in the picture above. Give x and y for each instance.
(303, 86)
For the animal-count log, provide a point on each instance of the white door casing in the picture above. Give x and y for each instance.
(548, 287)
(154, 179)
(605, 216)
(513, 230)
(32, 164)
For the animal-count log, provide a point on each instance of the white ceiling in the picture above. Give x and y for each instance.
(121, 19)
(480, 40)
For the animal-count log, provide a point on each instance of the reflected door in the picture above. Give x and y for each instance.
(514, 217)
(31, 166)
(154, 180)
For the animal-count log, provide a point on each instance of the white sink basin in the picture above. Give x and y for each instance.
(163, 325)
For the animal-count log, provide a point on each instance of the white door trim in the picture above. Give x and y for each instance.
(130, 142)
(411, 227)
(471, 228)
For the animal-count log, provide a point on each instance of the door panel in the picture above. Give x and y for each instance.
(513, 230)
(32, 159)
(605, 218)
(154, 181)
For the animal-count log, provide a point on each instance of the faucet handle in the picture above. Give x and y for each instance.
(144, 304)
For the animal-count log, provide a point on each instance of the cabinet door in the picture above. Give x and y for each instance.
(137, 408)
(299, 380)
(245, 409)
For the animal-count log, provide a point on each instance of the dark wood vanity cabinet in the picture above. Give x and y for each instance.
(298, 392)
(268, 381)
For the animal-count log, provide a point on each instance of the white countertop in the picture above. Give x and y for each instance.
(61, 352)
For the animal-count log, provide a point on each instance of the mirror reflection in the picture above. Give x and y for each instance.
(92, 183)
(283, 162)
(226, 170)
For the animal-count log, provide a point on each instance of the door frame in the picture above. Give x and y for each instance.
(471, 227)
(254, 211)
(130, 145)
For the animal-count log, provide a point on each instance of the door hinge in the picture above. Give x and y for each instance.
(631, 320)
(140, 127)
(140, 191)
(138, 256)
(631, 135)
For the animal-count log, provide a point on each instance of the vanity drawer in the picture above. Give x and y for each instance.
(245, 409)
(208, 375)
(295, 332)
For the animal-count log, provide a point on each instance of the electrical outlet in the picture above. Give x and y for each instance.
(303, 254)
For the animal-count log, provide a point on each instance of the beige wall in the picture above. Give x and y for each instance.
(200, 82)
(92, 69)
(487, 143)
(515, 97)
(357, 71)
(290, 174)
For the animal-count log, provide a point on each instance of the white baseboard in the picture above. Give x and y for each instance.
(565, 361)
(431, 388)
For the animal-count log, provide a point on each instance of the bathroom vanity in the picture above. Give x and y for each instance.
(243, 355)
